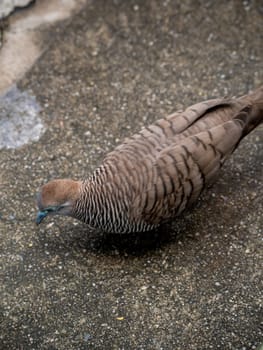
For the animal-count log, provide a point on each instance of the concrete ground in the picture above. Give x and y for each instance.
(196, 283)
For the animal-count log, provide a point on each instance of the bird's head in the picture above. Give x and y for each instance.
(57, 197)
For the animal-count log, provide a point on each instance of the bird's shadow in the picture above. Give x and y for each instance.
(83, 240)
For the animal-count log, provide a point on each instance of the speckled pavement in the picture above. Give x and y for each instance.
(196, 283)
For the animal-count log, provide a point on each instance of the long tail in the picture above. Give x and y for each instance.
(252, 115)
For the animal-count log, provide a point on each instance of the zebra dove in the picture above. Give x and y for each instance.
(157, 173)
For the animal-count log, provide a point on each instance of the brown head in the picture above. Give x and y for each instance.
(57, 197)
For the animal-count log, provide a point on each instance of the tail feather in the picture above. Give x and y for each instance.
(252, 115)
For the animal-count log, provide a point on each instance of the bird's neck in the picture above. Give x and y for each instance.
(96, 204)
(102, 205)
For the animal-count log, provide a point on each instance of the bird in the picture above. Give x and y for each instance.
(157, 173)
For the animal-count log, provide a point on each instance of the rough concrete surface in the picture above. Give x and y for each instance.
(196, 283)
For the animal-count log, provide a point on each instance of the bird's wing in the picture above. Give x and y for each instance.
(181, 171)
(164, 131)
(141, 150)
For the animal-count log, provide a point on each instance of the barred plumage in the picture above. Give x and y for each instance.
(157, 173)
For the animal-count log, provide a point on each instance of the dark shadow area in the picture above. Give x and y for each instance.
(84, 239)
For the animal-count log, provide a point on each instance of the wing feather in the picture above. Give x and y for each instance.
(181, 171)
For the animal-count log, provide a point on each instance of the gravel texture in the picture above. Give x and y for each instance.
(196, 283)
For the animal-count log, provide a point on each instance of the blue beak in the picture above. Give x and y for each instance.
(40, 216)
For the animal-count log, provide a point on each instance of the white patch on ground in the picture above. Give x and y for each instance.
(7, 6)
(19, 119)
(22, 41)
